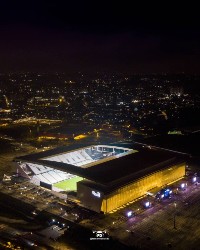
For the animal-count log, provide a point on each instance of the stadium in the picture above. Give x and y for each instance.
(104, 177)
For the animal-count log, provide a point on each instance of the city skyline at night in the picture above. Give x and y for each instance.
(99, 128)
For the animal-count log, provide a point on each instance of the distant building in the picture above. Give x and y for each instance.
(176, 90)
(175, 132)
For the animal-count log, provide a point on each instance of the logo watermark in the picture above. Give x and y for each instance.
(99, 235)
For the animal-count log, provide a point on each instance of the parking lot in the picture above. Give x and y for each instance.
(172, 222)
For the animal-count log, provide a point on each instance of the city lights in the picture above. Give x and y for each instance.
(99, 128)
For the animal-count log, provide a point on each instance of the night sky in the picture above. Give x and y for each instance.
(95, 36)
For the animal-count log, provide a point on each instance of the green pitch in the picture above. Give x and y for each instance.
(68, 185)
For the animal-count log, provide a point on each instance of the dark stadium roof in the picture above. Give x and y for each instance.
(114, 172)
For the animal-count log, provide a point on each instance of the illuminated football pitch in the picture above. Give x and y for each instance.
(69, 185)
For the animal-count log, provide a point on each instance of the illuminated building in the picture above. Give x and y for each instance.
(4, 105)
(109, 176)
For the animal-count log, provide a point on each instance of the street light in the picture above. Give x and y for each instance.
(182, 185)
(194, 179)
(129, 214)
(147, 204)
(175, 215)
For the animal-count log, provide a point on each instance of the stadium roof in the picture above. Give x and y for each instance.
(114, 172)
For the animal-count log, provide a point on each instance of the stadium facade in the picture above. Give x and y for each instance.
(104, 176)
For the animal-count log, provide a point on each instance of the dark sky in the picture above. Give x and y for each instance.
(82, 36)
